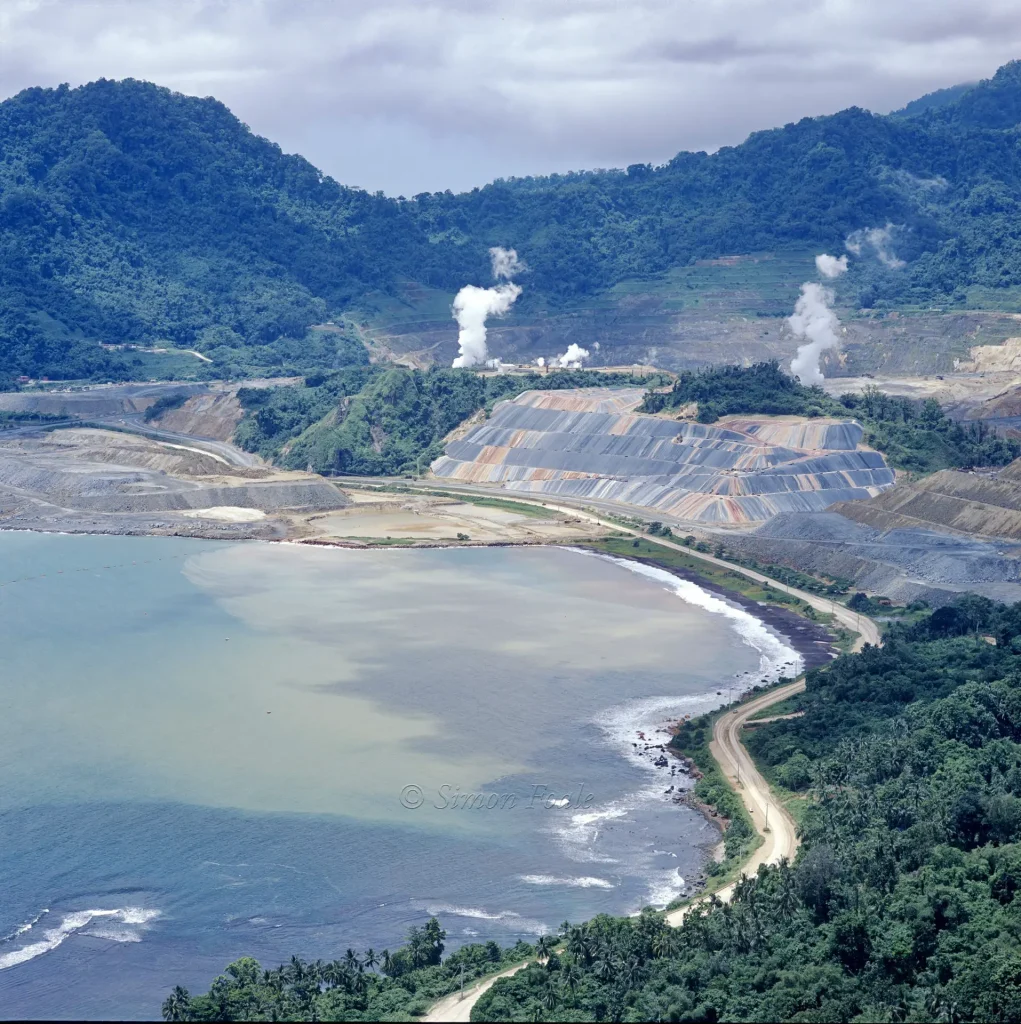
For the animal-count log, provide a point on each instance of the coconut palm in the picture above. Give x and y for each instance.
(572, 976)
(579, 944)
(177, 1004)
(667, 943)
(545, 946)
(552, 994)
(370, 959)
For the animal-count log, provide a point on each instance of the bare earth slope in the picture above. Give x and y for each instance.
(986, 504)
(590, 443)
(99, 481)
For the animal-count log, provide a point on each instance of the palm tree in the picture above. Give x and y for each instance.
(552, 995)
(666, 943)
(572, 976)
(371, 960)
(333, 973)
(387, 961)
(177, 1005)
(605, 967)
(579, 944)
(316, 971)
(545, 946)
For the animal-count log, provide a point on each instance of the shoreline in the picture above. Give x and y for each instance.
(812, 640)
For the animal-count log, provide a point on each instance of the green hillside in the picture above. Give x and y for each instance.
(133, 215)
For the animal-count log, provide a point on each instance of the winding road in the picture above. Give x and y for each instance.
(770, 818)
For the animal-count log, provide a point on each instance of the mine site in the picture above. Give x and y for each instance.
(805, 492)
(510, 512)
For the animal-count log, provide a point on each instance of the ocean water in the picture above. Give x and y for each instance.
(213, 750)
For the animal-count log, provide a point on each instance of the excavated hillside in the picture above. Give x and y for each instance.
(87, 480)
(985, 504)
(590, 443)
(900, 562)
(214, 416)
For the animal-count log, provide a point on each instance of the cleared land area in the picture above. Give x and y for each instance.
(84, 480)
(375, 516)
(592, 444)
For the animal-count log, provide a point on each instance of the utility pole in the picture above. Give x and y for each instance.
(462, 979)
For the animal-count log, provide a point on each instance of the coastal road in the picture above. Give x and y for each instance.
(770, 818)
(455, 1008)
(867, 630)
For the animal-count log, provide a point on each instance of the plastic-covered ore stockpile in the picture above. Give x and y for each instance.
(591, 444)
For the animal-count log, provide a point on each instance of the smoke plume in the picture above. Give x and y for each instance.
(815, 321)
(831, 266)
(573, 357)
(879, 240)
(473, 305)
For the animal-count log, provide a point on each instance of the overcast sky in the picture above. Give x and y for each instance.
(416, 95)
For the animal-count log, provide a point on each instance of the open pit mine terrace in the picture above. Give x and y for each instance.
(591, 444)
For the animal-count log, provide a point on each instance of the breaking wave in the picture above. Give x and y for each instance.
(581, 882)
(124, 924)
(508, 917)
(637, 729)
(776, 658)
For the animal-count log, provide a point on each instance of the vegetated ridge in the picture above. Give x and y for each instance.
(133, 215)
(381, 420)
(913, 435)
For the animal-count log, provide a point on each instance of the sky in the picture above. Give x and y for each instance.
(407, 96)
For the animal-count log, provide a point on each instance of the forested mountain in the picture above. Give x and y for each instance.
(129, 213)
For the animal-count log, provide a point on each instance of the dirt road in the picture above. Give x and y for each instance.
(770, 819)
(454, 1008)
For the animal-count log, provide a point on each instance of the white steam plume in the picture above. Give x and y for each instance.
(540, 362)
(506, 264)
(831, 266)
(573, 357)
(879, 240)
(814, 320)
(472, 306)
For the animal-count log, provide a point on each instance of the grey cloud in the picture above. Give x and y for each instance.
(408, 95)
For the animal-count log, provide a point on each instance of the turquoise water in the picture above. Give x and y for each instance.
(212, 749)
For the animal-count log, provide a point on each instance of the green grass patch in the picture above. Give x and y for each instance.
(532, 511)
(648, 551)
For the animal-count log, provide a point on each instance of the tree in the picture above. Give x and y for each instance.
(177, 1005)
